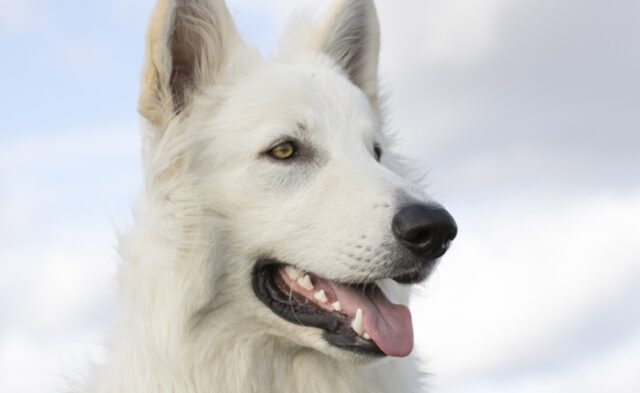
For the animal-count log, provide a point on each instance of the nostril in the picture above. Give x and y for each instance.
(420, 236)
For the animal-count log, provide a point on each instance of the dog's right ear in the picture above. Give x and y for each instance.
(188, 45)
(350, 35)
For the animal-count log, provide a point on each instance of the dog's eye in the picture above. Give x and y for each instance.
(284, 151)
(377, 151)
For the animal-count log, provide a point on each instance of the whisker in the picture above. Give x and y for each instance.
(292, 309)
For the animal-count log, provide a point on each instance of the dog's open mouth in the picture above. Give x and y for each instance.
(354, 317)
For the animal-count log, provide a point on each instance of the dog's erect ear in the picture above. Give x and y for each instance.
(350, 35)
(188, 45)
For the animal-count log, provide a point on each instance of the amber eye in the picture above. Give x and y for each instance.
(284, 151)
(377, 151)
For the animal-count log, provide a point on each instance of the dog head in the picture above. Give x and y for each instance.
(279, 175)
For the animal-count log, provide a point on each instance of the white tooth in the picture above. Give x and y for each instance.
(356, 324)
(305, 282)
(336, 306)
(366, 336)
(321, 296)
(292, 272)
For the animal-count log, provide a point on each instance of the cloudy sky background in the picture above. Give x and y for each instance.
(524, 113)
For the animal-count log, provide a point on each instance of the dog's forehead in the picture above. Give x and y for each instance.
(319, 100)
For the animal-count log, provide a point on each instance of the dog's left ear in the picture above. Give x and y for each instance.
(350, 35)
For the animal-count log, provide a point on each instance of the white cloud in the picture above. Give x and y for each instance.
(40, 175)
(518, 282)
(68, 147)
(614, 371)
(29, 365)
(57, 261)
(442, 32)
(438, 33)
(72, 279)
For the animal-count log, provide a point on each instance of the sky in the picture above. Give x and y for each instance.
(522, 113)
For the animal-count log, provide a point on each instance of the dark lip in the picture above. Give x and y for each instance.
(414, 276)
(336, 326)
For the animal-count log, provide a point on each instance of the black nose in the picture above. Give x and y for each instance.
(424, 229)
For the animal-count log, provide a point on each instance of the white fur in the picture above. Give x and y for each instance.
(213, 204)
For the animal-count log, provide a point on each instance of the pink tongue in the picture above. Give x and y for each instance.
(388, 324)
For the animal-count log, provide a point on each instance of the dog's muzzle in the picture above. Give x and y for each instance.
(356, 316)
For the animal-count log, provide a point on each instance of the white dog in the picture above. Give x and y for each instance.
(275, 224)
